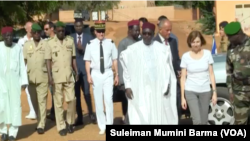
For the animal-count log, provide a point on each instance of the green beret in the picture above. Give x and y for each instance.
(232, 28)
(36, 27)
(60, 24)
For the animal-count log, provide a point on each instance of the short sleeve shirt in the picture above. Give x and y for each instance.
(198, 78)
(92, 53)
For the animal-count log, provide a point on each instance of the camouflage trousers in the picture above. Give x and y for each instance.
(241, 103)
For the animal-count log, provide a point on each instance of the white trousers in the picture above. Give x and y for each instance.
(103, 88)
(12, 130)
(32, 111)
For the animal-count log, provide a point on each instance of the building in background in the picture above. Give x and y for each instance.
(233, 11)
(135, 4)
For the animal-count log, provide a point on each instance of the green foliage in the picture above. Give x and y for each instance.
(19, 12)
(185, 4)
(208, 20)
(204, 5)
(208, 23)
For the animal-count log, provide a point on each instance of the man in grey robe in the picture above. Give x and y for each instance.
(13, 77)
(133, 33)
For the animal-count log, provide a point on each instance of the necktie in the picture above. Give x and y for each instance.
(166, 42)
(79, 41)
(101, 58)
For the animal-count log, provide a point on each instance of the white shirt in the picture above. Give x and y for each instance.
(77, 37)
(21, 41)
(198, 79)
(92, 53)
(167, 46)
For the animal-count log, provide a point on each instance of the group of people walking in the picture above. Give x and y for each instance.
(147, 69)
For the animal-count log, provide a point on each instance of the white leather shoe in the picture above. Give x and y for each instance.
(31, 116)
(102, 132)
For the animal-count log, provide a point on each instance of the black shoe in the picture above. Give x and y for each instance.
(51, 117)
(63, 132)
(11, 138)
(70, 129)
(40, 131)
(4, 137)
(78, 122)
(92, 118)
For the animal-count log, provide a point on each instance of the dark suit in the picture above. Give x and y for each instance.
(176, 64)
(83, 81)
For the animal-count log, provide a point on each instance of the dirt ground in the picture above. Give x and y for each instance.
(116, 31)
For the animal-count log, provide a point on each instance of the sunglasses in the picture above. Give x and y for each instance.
(147, 33)
(100, 31)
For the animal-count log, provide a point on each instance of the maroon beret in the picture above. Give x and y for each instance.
(133, 22)
(6, 29)
(148, 25)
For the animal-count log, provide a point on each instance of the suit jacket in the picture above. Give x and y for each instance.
(174, 50)
(79, 55)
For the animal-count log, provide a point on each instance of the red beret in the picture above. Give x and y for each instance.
(6, 29)
(148, 25)
(133, 22)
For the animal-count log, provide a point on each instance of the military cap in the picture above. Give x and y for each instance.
(36, 27)
(99, 25)
(232, 28)
(60, 24)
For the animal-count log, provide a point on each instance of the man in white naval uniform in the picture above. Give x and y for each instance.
(149, 80)
(21, 41)
(100, 54)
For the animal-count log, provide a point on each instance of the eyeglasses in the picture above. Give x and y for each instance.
(100, 31)
(46, 29)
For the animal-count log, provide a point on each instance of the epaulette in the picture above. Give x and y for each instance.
(27, 42)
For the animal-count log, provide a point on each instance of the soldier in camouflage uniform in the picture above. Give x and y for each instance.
(224, 41)
(238, 71)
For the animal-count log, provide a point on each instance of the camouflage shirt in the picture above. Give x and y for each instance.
(238, 67)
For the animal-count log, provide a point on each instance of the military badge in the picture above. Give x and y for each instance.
(30, 48)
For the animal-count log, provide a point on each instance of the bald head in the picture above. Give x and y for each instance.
(28, 28)
(165, 28)
(164, 22)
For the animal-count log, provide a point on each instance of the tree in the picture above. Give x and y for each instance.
(91, 6)
(19, 12)
(208, 20)
(185, 4)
